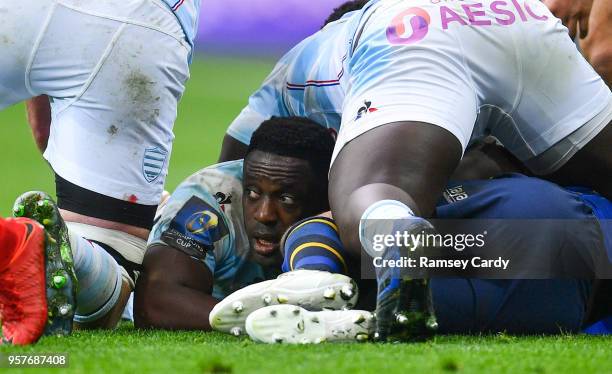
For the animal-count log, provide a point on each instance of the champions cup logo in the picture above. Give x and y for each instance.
(419, 21)
(201, 222)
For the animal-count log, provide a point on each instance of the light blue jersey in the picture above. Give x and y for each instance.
(474, 68)
(187, 12)
(203, 218)
(305, 82)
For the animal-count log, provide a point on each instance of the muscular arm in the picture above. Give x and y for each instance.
(232, 149)
(574, 14)
(39, 119)
(597, 46)
(173, 291)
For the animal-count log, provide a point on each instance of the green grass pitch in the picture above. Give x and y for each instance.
(215, 94)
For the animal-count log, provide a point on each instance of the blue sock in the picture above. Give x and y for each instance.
(314, 244)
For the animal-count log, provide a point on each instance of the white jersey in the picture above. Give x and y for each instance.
(114, 71)
(188, 13)
(204, 219)
(505, 68)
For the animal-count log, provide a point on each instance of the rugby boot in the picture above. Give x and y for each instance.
(311, 289)
(291, 324)
(59, 277)
(404, 309)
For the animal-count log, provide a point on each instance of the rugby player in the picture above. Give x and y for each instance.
(110, 74)
(220, 231)
(473, 305)
(400, 81)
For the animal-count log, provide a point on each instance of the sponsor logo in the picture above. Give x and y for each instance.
(153, 163)
(366, 108)
(419, 19)
(455, 194)
(412, 25)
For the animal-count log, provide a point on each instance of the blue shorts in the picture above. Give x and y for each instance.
(515, 306)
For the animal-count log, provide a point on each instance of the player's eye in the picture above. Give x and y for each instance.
(288, 200)
(251, 194)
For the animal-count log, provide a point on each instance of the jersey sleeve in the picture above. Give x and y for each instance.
(266, 102)
(193, 223)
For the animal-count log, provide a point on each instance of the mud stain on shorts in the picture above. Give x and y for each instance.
(140, 90)
(112, 130)
(5, 40)
(139, 87)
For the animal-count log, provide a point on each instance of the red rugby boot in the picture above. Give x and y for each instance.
(23, 301)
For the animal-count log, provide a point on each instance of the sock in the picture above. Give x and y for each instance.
(314, 244)
(388, 217)
(99, 278)
(380, 218)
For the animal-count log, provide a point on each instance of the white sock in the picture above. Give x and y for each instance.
(99, 278)
(382, 212)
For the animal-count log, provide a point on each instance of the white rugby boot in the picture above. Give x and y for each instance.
(312, 289)
(291, 324)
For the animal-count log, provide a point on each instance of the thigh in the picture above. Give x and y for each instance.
(111, 130)
(378, 165)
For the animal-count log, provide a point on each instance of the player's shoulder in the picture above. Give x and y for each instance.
(208, 189)
(221, 175)
(199, 216)
(311, 45)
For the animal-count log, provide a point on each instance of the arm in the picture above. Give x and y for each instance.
(232, 149)
(574, 14)
(264, 103)
(39, 118)
(173, 291)
(597, 47)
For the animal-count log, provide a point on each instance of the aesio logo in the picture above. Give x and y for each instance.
(419, 21)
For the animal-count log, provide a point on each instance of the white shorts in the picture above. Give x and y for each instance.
(505, 68)
(114, 71)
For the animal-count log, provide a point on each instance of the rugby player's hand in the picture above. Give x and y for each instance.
(574, 14)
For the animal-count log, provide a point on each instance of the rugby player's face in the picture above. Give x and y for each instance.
(276, 195)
